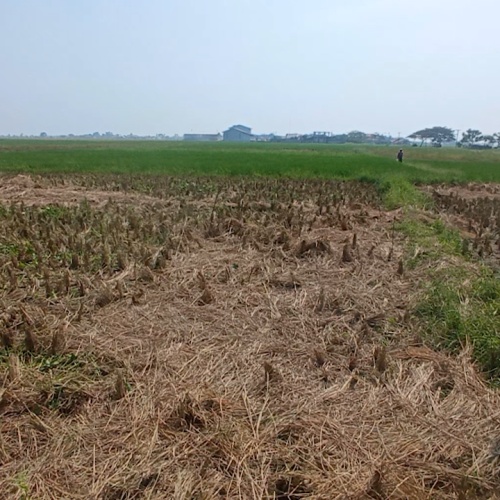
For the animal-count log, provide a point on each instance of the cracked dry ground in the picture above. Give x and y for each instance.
(264, 351)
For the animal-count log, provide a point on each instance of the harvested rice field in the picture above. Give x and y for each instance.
(208, 338)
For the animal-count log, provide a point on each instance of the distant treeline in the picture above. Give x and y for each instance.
(355, 137)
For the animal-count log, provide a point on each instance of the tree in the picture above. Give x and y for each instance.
(437, 135)
(356, 137)
(470, 137)
(489, 140)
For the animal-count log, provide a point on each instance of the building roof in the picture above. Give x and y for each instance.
(241, 128)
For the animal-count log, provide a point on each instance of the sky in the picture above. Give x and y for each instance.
(277, 66)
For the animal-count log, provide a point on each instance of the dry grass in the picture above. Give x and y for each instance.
(249, 364)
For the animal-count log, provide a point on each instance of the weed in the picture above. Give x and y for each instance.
(65, 362)
(399, 192)
(428, 239)
(22, 484)
(54, 212)
(459, 310)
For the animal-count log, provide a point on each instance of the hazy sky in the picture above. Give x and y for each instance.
(176, 66)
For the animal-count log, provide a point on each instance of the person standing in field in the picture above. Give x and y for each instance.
(400, 156)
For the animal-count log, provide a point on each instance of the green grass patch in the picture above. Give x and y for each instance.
(458, 309)
(60, 381)
(428, 239)
(57, 365)
(461, 302)
(21, 482)
(399, 192)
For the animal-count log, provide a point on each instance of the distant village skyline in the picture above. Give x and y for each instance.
(243, 133)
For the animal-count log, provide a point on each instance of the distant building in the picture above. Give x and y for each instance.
(263, 137)
(203, 137)
(238, 133)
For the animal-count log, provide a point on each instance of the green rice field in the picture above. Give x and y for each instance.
(372, 163)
